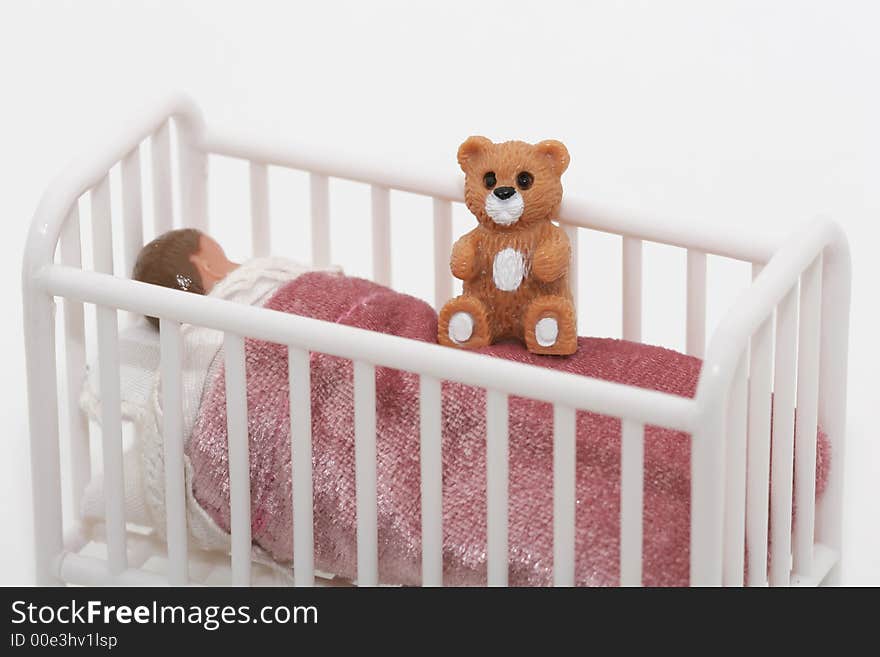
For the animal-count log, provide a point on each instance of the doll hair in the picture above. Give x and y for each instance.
(166, 261)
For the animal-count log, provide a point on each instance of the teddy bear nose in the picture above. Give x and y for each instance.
(504, 193)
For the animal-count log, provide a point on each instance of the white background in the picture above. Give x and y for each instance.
(744, 114)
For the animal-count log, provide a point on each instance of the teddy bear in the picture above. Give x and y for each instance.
(515, 264)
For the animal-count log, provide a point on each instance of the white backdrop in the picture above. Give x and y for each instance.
(737, 113)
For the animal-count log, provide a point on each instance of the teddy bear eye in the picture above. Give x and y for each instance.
(489, 180)
(524, 179)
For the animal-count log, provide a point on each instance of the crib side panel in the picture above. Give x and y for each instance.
(772, 414)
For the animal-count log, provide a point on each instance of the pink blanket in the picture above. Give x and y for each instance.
(364, 304)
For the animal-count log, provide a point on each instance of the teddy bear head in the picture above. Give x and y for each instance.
(513, 184)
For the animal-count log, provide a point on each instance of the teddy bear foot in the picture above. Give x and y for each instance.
(463, 323)
(546, 331)
(550, 327)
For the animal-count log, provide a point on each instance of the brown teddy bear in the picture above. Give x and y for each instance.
(515, 264)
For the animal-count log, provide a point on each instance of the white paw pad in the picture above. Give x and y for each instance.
(461, 327)
(546, 332)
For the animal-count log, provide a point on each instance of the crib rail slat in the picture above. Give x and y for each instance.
(573, 277)
(75, 361)
(261, 237)
(320, 199)
(632, 289)
(758, 493)
(299, 376)
(632, 457)
(365, 473)
(442, 246)
(496, 487)
(563, 495)
(163, 206)
(102, 227)
(735, 492)
(132, 208)
(380, 198)
(707, 501)
(807, 417)
(239, 469)
(193, 176)
(108, 362)
(111, 437)
(782, 447)
(171, 349)
(432, 480)
(696, 303)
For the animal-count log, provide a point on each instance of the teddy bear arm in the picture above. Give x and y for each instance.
(552, 257)
(464, 257)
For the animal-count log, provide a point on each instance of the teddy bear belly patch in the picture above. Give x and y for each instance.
(508, 269)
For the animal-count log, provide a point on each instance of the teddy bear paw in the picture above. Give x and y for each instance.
(550, 326)
(463, 323)
(546, 331)
(461, 327)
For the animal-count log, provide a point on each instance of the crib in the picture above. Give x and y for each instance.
(786, 335)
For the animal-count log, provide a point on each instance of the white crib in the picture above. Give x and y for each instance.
(787, 334)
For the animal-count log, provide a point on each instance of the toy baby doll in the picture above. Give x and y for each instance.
(184, 259)
(515, 263)
(191, 261)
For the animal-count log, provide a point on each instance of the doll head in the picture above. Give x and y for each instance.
(513, 184)
(184, 259)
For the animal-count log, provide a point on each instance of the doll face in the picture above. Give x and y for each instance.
(512, 184)
(211, 262)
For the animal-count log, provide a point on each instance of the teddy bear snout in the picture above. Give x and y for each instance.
(504, 205)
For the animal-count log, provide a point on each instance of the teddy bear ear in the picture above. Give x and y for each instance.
(557, 152)
(471, 147)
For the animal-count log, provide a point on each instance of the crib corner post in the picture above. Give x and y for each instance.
(39, 332)
(193, 172)
(833, 356)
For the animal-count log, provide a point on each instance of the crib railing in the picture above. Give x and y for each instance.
(368, 350)
(729, 419)
(806, 287)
